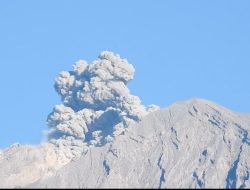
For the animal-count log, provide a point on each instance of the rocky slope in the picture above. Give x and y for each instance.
(192, 144)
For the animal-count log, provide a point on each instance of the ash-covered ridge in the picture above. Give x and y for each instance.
(191, 144)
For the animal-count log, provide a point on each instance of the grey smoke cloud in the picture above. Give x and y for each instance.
(96, 103)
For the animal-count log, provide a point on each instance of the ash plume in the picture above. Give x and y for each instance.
(96, 104)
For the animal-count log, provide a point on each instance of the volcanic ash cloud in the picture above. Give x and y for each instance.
(96, 104)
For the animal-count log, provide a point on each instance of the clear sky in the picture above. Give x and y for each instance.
(180, 50)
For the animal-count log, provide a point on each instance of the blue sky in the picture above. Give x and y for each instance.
(180, 50)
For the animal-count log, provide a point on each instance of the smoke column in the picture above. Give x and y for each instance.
(96, 104)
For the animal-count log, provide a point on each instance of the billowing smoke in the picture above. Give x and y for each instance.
(96, 104)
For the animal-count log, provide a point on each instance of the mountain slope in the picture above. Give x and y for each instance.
(195, 143)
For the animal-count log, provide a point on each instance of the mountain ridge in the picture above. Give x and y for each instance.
(194, 143)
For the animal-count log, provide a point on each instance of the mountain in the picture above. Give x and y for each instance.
(101, 135)
(191, 144)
